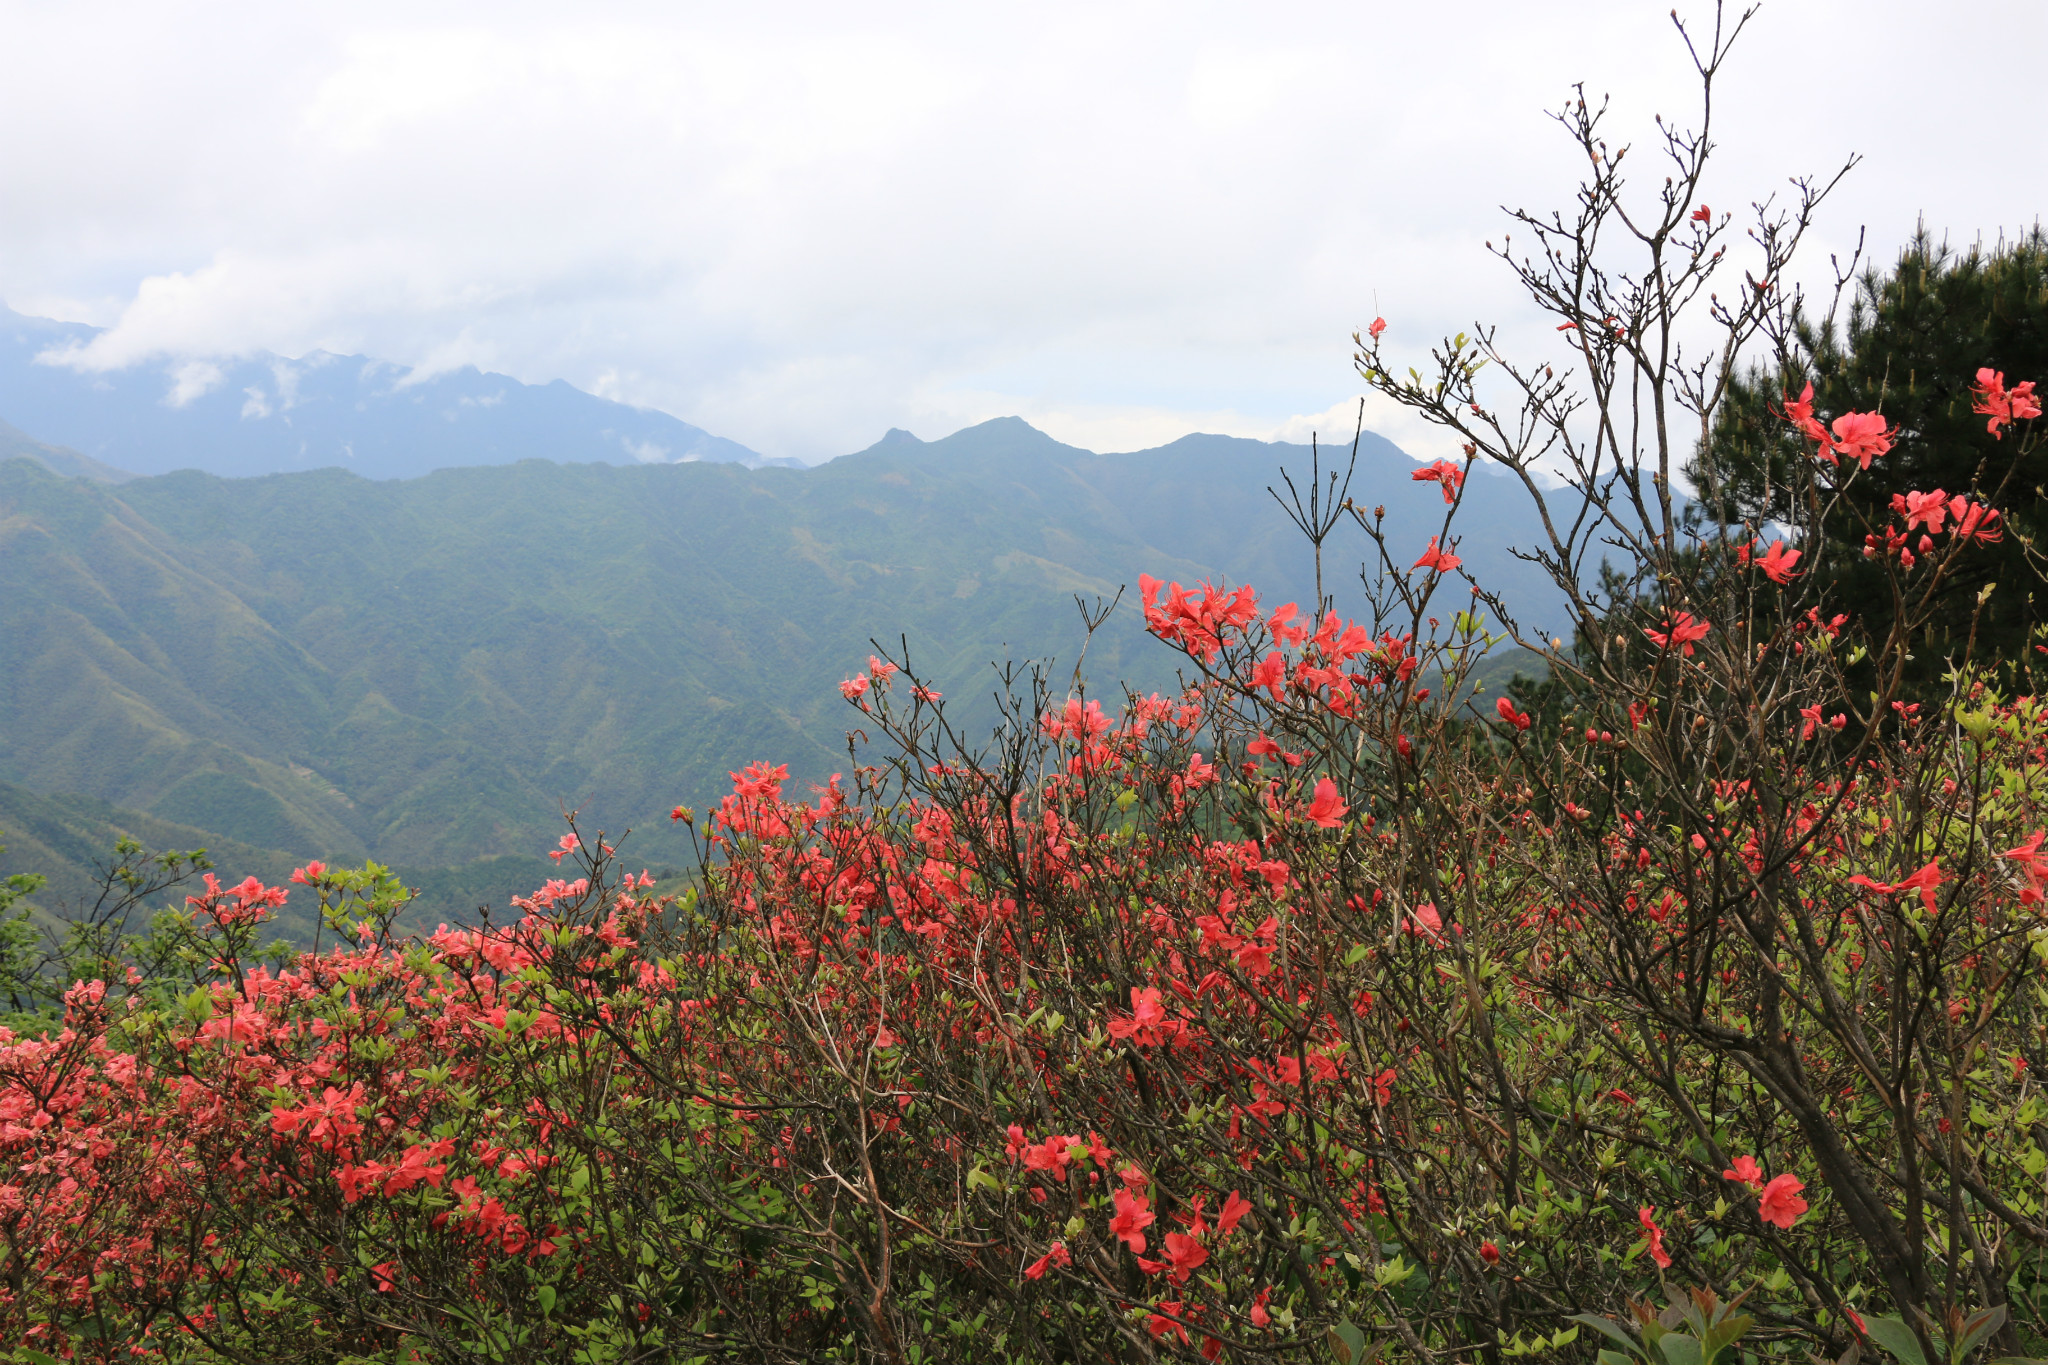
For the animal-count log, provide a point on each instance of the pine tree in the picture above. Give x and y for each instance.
(1915, 339)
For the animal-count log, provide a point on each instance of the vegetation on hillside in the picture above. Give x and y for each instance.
(429, 672)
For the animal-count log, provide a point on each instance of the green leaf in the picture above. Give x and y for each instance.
(1724, 1334)
(1896, 1338)
(1608, 1328)
(1681, 1349)
(1347, 1343)
(1976, 1327)
(546, 1295)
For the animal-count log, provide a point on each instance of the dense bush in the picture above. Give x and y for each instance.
(1320, 1010)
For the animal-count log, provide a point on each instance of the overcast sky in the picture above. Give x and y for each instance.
(797, 225)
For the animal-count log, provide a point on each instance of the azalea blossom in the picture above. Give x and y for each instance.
(1680, 631)
(760, 782)
(1777, 562)
(1922, 509)
(1163, 1323)
(1974, 521)
(1148, 1024)
(1425, 920)
(1443, 473)
(1383, 1086)
(2028, 856)
(1647, 1216)
(1271, 674)
(1924, 881)
(1437, 561)
(1799, 412)
(250, 902)
(1133, 1216)
(1078, 721)
(1184, 1254)
(1747, 1171)
(1811, 715)
(1862, 437)
(1780, 1204)
(1283, 626)
(2003, 406)
(1264, 747)
(1057, 1256)
(1328, 808)
(1200, 620)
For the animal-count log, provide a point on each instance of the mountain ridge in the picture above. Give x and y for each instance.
(430, 670)
(18, 444)
(266, 413)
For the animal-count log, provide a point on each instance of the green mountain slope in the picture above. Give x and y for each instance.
(430, 671)
(17, 444)
(69, 839)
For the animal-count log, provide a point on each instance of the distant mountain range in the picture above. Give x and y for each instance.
(270, 415)
(429, 670)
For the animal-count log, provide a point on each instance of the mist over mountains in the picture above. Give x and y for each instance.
(429, 670)
(268, 414)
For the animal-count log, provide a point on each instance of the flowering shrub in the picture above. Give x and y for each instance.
(1308, 1005)
(1321, 1009)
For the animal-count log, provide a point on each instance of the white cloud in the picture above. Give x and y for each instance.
(287, 376)
(1230, 89)
(192, 379)
(457, 352)
(1337, 424)
(799, 224)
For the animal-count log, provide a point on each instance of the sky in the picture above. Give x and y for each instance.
(799, 225)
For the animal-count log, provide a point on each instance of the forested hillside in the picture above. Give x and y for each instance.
(428, 671)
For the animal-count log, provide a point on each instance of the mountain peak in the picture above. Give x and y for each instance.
(1007, 425)
(1006, 436)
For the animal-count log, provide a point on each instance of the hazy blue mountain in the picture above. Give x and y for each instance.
(17, 444)
(269, 415)
(429, 670)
